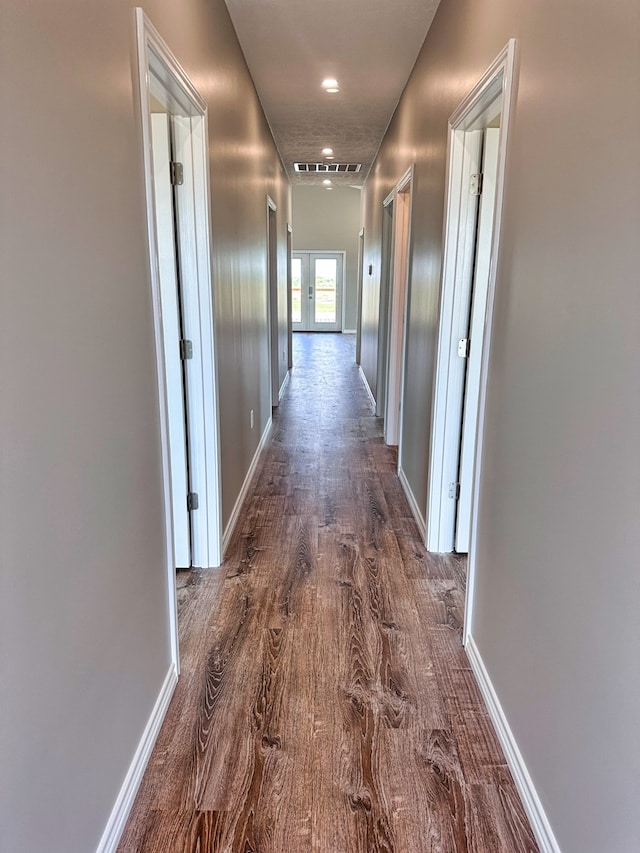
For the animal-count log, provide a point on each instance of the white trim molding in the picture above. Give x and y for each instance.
(244, 491)
(413, 504)
(463, 153)
(397, 294)
(285, 382)
(366, 387)
(271, 257)
(403, 187)
(359, 286)
(124, 802)
(524, 783)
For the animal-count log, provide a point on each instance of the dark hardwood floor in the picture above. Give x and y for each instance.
(325, 702)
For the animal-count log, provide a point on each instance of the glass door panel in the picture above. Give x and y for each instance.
(326, 290)
(301, 292)
(296, 289)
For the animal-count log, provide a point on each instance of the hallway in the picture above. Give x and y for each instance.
(325, 702)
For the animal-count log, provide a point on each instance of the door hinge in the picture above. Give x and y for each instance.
(177, 174)
(454, 491)
(475, 186)
(463, 347)
(186, 349)
(192, 501)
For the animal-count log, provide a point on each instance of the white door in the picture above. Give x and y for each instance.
(384, 308)
(272, 299)
(316, 291)
(476, 336)
(171, 336)
(398, 306)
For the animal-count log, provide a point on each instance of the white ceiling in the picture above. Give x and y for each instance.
(369, 46)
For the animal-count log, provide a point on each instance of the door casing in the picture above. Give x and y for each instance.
(289, 326)
(272, 299)
(498, 81)
(384, 311)
(398, 308)
(155, 58)
(359, 296)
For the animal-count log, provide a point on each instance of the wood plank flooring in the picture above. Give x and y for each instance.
(325, 702)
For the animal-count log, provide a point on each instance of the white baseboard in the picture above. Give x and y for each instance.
(283, 387)
(413, 504)
(349, 331)
(528, 794)
(228, 533)
(367, 389)
(124, 802)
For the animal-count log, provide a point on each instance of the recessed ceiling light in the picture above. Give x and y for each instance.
(327, 181)
(329, 157)
(328, 188)
(327, 150)
(330, 85)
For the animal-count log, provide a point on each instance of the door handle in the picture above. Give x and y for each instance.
(310, 291)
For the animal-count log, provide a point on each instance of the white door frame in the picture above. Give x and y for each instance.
(272, 300)
(399, 304)
(359, 285)
(384, 302)
(289, 326)
(497, 81)
(153, 54)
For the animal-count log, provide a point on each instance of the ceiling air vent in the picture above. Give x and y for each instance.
(325, 168)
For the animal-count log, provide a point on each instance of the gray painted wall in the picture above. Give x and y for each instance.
(83, 615)
(327, 221)
(558, 590)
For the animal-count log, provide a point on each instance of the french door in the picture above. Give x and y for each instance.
(316, 291)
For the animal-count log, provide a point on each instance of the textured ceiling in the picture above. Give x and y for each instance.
(369, 46)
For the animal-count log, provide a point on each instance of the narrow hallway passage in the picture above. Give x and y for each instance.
(325, 702)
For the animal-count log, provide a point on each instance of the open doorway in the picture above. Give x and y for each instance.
(478, 132)
(175, 151)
